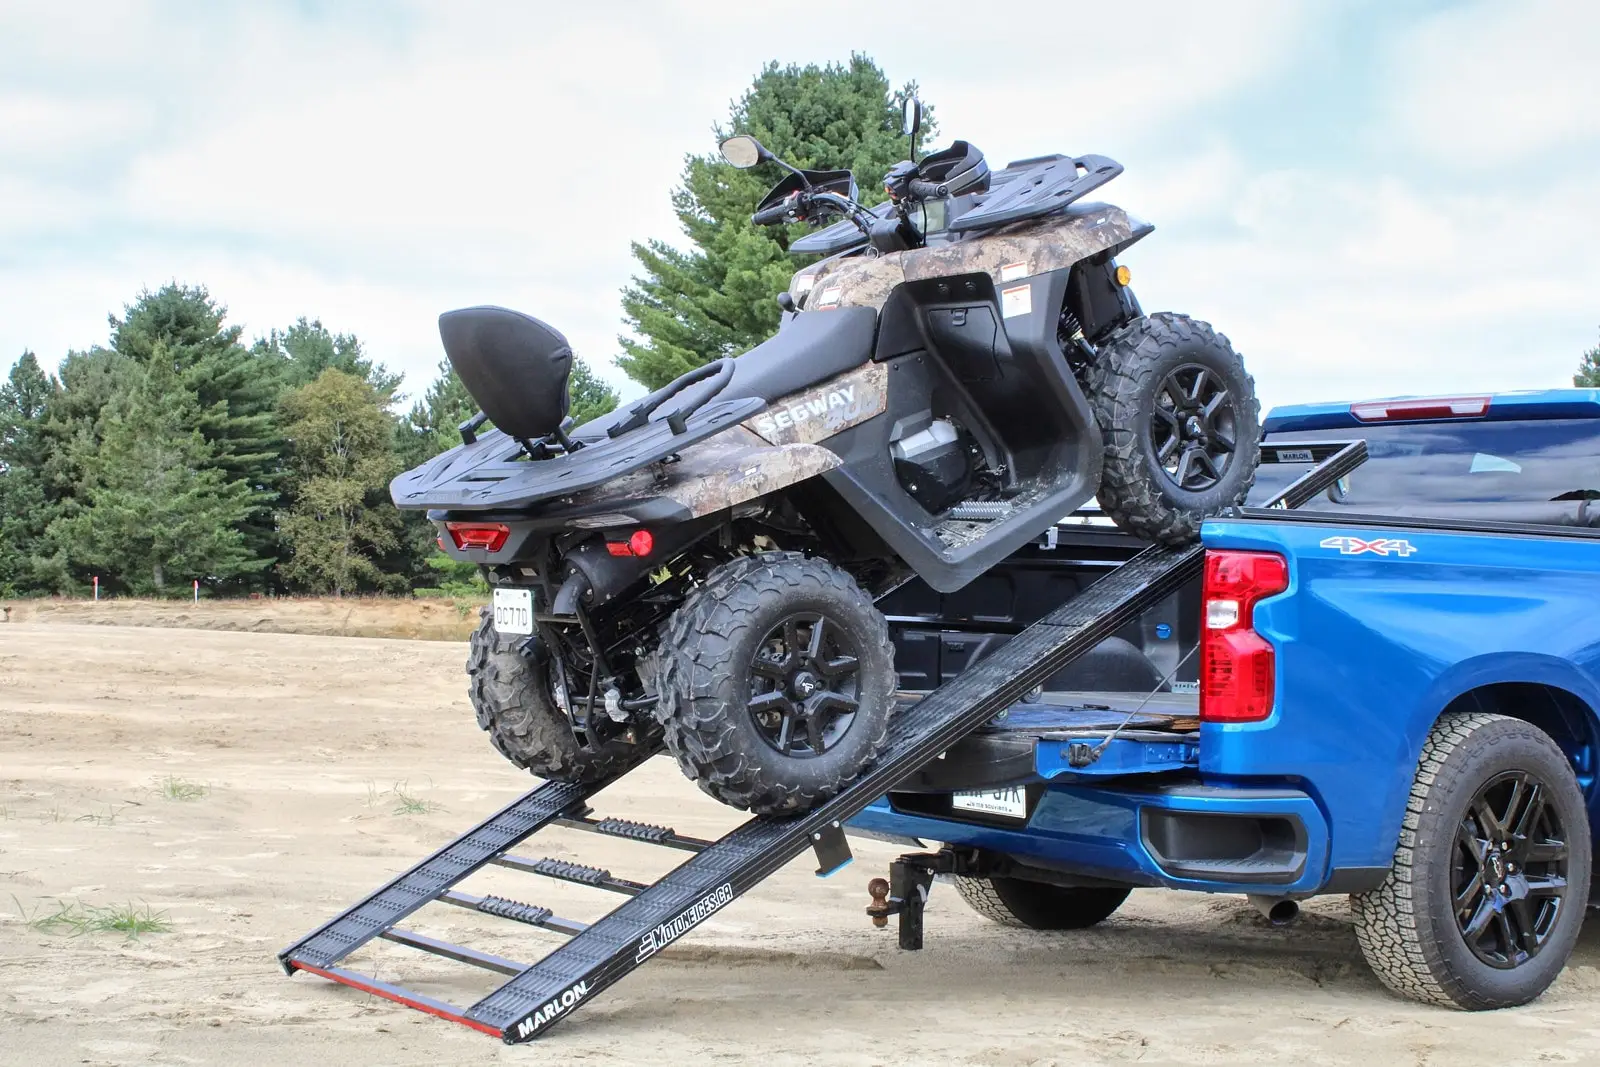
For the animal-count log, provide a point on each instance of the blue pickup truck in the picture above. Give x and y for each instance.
(1392, 693)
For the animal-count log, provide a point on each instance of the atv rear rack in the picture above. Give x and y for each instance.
(541, 994)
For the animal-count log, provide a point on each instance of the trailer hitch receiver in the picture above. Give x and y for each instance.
(905, 893)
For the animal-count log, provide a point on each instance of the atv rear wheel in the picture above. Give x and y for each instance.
(1038, 906)
(515, 702)
(1181, 426)
(776, 682)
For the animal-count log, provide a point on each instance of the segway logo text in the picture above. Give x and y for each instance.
(556, 1007)
(698, 912)
(815, 406)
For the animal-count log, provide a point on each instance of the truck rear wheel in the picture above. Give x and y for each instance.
(515, 702)
(1181, 426)
(1038, 906)
(776, 682)
(1490, 879)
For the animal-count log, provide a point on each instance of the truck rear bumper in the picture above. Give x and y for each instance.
(1187, 835)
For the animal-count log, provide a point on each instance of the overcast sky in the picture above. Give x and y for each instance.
(1369, 198)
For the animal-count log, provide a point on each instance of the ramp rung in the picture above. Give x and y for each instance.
(580, 873)
(360, 923)
(459, 953)
(637, 831)
(501, 908)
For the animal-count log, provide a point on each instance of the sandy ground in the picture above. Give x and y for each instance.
(307, 747)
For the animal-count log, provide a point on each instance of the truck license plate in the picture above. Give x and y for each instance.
(513, 611)
(1010, 803)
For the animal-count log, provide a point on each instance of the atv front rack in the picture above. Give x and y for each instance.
(541, 994)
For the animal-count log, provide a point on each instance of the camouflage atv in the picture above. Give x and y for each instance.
(966, 365)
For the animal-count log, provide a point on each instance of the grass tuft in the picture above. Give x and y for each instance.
(76, 919)
(108, 818)
(406, 804)
(174, 788)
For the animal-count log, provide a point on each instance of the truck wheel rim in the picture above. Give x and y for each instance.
(1508, 880)
(804, 685)
(1193, 427)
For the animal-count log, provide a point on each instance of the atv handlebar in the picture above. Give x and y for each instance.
(798, 205)
(775, 214)
(926, 190)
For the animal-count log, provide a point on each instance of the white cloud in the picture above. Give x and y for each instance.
(373, 166)
(1479, 84)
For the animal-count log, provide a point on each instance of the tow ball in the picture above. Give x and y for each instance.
(905, 893)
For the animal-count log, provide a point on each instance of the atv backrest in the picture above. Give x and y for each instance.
(514, 366)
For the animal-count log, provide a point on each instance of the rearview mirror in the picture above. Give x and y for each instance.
(913, 118)
(744, 151)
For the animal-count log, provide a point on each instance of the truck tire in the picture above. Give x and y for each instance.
(776, 682)
(1461, 921)
(512, 696)
(1038, 906)
(1181, 426)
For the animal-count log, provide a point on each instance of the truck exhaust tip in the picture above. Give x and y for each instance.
(1279, 911)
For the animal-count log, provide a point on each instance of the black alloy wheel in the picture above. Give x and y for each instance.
(1194, 428)
(803, 686)
(1509, 876)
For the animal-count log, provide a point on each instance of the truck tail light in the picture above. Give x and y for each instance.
(489, 536)
(1236, 663)
(1418, 409)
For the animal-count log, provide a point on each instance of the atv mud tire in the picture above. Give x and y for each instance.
(1181, 426)
(1038, 906)
(511, 693)
(776, 682)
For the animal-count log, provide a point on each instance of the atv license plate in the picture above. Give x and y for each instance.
(513, 611)
(1010, 803)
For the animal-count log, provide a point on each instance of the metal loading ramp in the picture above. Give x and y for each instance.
(541, 994)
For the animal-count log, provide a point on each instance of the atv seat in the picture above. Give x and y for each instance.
(812, 347)
(514, 366)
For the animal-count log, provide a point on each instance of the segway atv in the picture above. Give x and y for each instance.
(965, 366)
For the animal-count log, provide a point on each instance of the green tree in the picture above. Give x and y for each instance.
(308, 348)
(154, 506)
(24, 509)
(343, 457)
(718, 298)
(1588, 375)
(235, 391)
(591, 396)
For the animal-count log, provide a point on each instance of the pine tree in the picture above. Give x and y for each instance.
(308, 348)
(236, 393)
(155, 508)
(591, 396)
(24, 509)
(719, 298)
(1588, 375)
(343, 458)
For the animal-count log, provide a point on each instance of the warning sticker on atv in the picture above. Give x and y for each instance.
(1017, 300)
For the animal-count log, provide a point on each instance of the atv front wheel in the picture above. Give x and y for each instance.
(1181, 426)
(776, 681)
(512, 693)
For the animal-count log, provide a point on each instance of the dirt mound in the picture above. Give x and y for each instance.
(414, 619)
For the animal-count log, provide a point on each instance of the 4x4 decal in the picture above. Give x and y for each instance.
(1381, 546)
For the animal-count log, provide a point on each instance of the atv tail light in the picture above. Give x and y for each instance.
(642, 543)
(1420, 408)
(489, 536)
(1236, 663)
